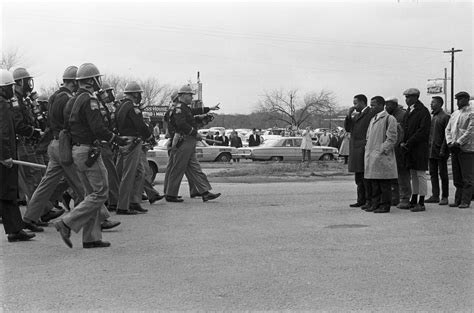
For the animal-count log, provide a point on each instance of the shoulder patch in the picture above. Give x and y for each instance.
(94, 104)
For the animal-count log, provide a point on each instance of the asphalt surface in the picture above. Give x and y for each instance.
(268, 246)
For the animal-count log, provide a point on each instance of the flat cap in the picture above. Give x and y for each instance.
(391, 99)
(462, 94)
(411, 92)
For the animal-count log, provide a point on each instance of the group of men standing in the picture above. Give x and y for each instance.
(392, 148)
(96, 150)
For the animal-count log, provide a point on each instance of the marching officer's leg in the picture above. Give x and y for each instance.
(108, 158)
(180, 158)
(131, 177)
(147, 186)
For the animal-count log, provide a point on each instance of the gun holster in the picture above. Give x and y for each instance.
(92, 156)
(178, 139)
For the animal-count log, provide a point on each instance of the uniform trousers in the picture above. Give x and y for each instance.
(29, 177)
(463, 176)
(147, 184)
(54, 173)
(418, 183)
(132, 174)
(87, 214)
(11, 216)
(401, 187)
(439, 169)
(184, 161)
(192, 188)
(114, 182)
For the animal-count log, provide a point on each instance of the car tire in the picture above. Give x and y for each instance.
(224, 157)
(276, 158)
(154, 170)
(326, 157)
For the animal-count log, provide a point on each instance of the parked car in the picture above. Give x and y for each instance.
(286, 149)
(157, 159)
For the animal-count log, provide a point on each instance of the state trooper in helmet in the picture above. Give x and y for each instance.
(29, 178)
(9, 210)
(56, 170)
(131, 125)
(87, 128)
(183, 150)
(106, 97)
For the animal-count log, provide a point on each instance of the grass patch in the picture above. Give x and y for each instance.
(278, 169)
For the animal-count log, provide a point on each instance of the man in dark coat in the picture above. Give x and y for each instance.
(415, 143)
(439, 154)
(357, 123)
(9, 210)
(254, 139)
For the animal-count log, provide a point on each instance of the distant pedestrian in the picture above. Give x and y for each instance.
(439, 154)
(460, 139)
(306, 145)
(254, 139)
(415, 144)
(324, 139)
(236, 142)
(344, 149)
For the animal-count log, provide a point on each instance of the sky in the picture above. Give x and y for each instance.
(243, 49)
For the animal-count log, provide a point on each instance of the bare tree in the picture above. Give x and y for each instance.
(117, 82)
(11, 58)
(285, 106)
(154, 93)
(49, 90)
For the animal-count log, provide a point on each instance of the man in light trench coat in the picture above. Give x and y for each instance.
(380, 161)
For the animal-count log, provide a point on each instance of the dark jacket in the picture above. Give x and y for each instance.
(86, 122)
(358, 126)
(56, 106)
(438, 145)
(8, 176)
(130, 121)
(182, 118)
(236, 142)
(254, 140)
(416, 131)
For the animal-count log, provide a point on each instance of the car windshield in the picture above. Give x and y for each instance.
(271, 143)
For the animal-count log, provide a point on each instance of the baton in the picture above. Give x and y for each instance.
(17, 162)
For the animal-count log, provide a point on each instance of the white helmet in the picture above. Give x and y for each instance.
(6, 78)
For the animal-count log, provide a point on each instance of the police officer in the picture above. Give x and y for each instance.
(87, 127)
(9, 210)
(183, 150)
(107, 109)
(131, 125)
(29, 177)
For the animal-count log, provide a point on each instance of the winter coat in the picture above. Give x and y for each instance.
(8, 176)
(357, 126)
(417, 125)
(380, 161)
(344, 149)
(438, 146)
(306, 143)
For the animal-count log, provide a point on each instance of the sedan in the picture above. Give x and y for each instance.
(286, 149)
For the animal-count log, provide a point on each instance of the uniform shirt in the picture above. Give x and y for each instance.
(460, 128)
(56, 107)
(86, 123)
(182, 118)
(23, 116)
(130, 121)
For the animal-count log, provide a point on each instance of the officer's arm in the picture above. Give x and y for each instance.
(139, 124)
(465, 137)
(182, 124)
(95, 121)
(21, 127)
(5, 137)
(202, 110)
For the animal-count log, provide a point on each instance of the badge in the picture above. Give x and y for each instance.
(94, 104)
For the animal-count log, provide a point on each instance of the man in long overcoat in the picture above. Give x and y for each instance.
(415, 144)
(356, 122)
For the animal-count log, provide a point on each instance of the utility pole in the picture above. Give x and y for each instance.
(452, 51)
(445, 85)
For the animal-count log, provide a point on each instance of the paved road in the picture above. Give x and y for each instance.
(277, 246)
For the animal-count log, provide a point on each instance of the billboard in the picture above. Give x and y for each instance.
(435, 87)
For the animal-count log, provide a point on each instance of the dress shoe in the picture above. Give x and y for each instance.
(173, 199)
(418, 208)
(155, 198)
(403, 206)
(126, 212)
(371, 208)
(210, 196)
(112, 208)
(463, 206)
(52, 214)
(64, 231)
(395, 202)
(20, 236)
(40, 223)
(432, 199)
(144, 197)
(96, 244)
(382, 210)
(32, 226)
(356, 205)
(195, 195)
(67, 200)
(366, 206)
(109, 224)
(454, 205)
(137, 207)
(443, 201)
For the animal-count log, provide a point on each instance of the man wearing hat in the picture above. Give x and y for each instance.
(460, 140)
(415, 144)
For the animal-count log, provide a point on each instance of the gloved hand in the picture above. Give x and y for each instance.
(121, 141)
(8, 162)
